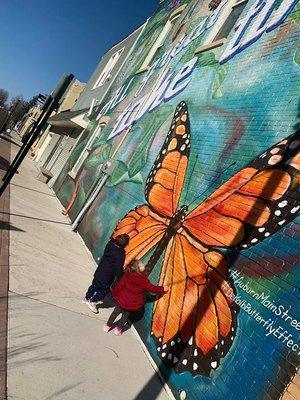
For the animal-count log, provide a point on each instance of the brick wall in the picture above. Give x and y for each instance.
(229, 326)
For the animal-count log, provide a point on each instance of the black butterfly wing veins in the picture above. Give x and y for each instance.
(275, 187)
(166, 178)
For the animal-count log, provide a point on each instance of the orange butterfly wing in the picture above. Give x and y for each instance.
(146, 225)
(145, 229)
(165, 181)
(252, 205)
(195, 322)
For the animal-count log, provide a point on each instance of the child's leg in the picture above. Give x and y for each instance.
(117, 311)
(91, 290)
(97, 291)
(124, 319)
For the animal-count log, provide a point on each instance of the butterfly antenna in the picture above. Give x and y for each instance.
(213, 182)
(190, 177)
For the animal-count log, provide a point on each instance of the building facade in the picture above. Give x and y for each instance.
(70, 123)
(194, 152)
(56, 143)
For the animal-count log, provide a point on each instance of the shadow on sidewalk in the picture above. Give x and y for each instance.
(4, 164)
(32, 190)
(6, 226)
(37, 219)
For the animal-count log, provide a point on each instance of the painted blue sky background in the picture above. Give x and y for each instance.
(42, 39)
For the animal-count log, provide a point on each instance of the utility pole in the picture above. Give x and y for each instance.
(51, 104)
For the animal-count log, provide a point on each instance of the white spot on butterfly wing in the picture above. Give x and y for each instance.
(267, 234)
(295, 209)
(175, 360)
(282, 203)
(163, 355)
(275, 150)
(195, 366)
(184, 362)
(172, 343)
(191, 340)
(281, 222)
(254, 240)
(275, 159)
(183, 395)
(214, 364)
(277, 212)
(195, 352)
(261, 229)
(182, 148)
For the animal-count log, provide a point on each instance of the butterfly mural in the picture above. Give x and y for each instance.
(194, 324)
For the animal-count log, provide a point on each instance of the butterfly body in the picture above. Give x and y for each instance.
(194, 323)
(174, 225)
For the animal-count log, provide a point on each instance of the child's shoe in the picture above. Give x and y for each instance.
(106, 328)
(92, 306)
(118, 331)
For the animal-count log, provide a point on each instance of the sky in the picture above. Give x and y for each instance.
(42, 39)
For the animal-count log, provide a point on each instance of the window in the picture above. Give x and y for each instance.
(106, 73)
(224, 19)
(86, 151)
(161, 38)
(231, 20)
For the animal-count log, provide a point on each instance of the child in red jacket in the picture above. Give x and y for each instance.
(129, 295)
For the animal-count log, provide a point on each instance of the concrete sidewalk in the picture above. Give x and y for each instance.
(56, 346)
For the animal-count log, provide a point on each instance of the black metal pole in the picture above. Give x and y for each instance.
(57, 95)
(44, 110)
(47, 103)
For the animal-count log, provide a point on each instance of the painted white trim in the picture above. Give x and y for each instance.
(224, 14)
(106, 72)
(125, 59)
(160, 39)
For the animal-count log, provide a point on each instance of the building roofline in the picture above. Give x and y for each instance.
(126, 37)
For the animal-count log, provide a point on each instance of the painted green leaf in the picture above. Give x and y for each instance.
(295, 14)
(207, 59)
(98, 156)
(117, 174)
(221, 72)
(139, 158)
(297, 56)
(126, 178)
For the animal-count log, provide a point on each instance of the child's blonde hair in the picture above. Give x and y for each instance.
(133, 266)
